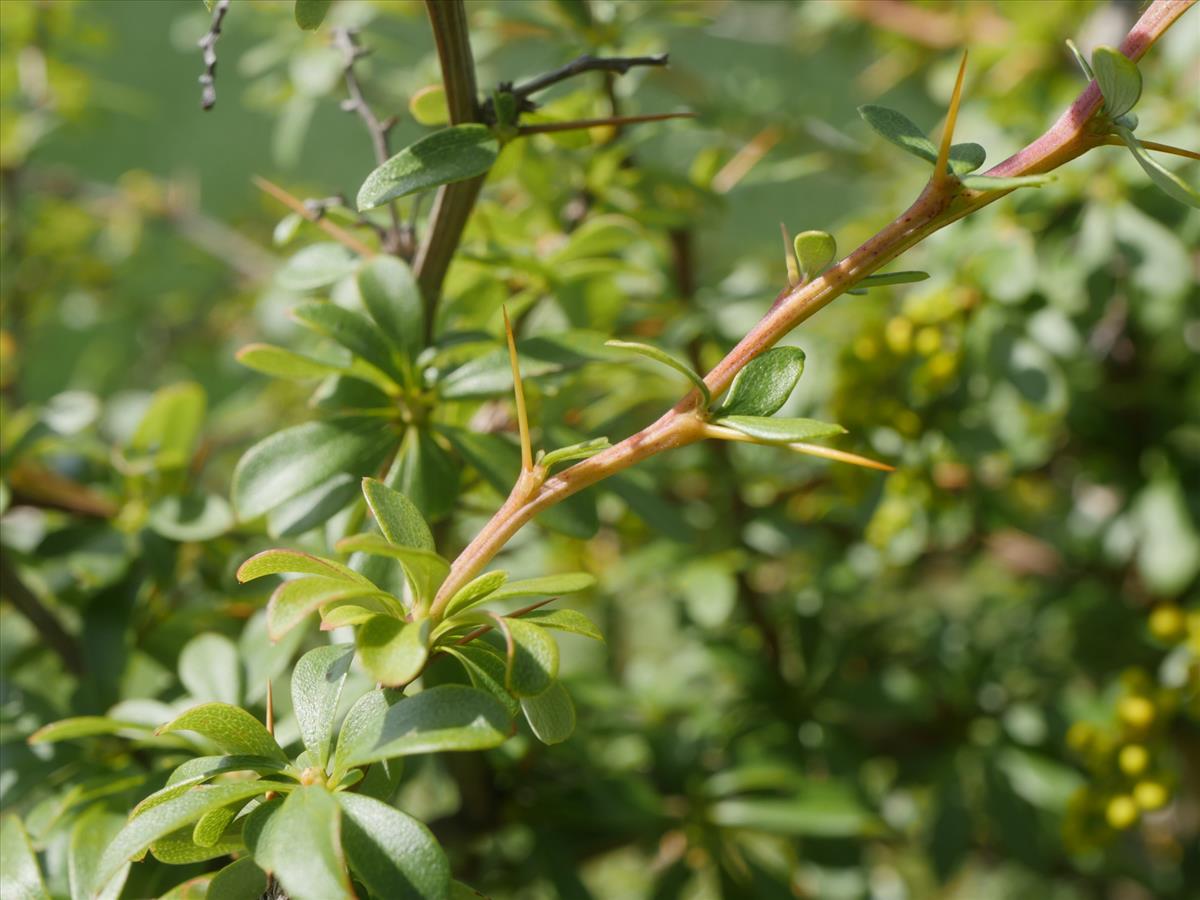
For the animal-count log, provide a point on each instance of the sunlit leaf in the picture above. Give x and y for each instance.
(392, 853)
(765, 383)
(452, 154)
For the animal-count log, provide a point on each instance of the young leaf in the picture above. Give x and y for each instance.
(239, 880)
(316, 266)
(449, 717)
(276, 562)
(545, 586)
(452, 154)
(353, 331)
(19, 872)
(551, 714)
(310, 13)
(660, 356)
(294, 600)
(1167, 181)
(582, 450)
(360, 729)
(1119, 79)
(966, 158)
(301, 845)
(229, 727)
(143, 830)
(428, 106)
(392, 650)
(169, 429)
(300, 458)
(900, 130)
(393, 854)
(568, 620)
(317, 682)
(780, 431)
(815, 250)
(211, 826)
(338, 615)
(764, 384)
(281, 363)
(474, 592)
(201, 768)
(425, 569)
(398, 518)
(210, 670)
(390, 294)
(92, 832)
(989, 183)
(1081, 60)
(178, 848)
(893, 278)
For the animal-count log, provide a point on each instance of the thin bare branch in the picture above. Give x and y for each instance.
(208, 47)
(335, 231)
(587, 63)
(578, 124)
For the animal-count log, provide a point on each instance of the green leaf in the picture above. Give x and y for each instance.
(551, 714)
(298, 459)
(904, 133)
(276, 562)
(390, 294)
(294, 600)
(780, 431)
(360, 729)
(426, 474)
(92, 832)
(452, 154)
(1119, 80)
(545, 586)
(301, 845)
(229, 727)
(450, 717)
(210, 670)
(166, 436)
(532, 657)
(315, 266)
(486, 668)
(311, 13)
(965, 158)
(569, 620)
(393, 651)
(661, 356)
(312, 508)
(393, 854)
(1167, 181)
(240, 880)
(317, 682)
(286, 229)
(397, 516)
(87, 726)
(20, 877)
(815, 251)
(825, 812)
(425, 569)
(339, 615)
(764, 384)
(353, 331)
(178, 848)
(893, 278)
(211, 826)
(143, 830)
(475, 592)
(582, 450)
(989, 183)
(201, 768)
(428, 106)
(281, 363)
(191, 517)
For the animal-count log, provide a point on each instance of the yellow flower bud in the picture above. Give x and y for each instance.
(1121, 812)
(1150, 795)
(1133, 759)
(1136, 712)
(1168, 623)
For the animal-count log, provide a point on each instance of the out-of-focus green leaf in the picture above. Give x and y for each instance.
(315, 266)
(282, 363)
(210, 670)
(353, 331)
(240, 880)
(661, 356)
(452, 154)
(191, 517)
(1167, 181)
(392, 853)
(426, 474)
(390, 294)
(92, 832)
(311, 13)
(300, 458)
(20, 876)
(813, 812)
(167, 433)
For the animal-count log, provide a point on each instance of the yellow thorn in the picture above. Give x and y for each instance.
(793, 270)
(270, 709)
(839, 456)
(519, 392)
(939, 172)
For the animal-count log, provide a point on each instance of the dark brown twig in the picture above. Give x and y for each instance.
(586, 63)
(13, 589)
(208, 46)
(547, 127)
(346, 40)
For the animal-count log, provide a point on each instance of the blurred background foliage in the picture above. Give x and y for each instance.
(819, 682)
